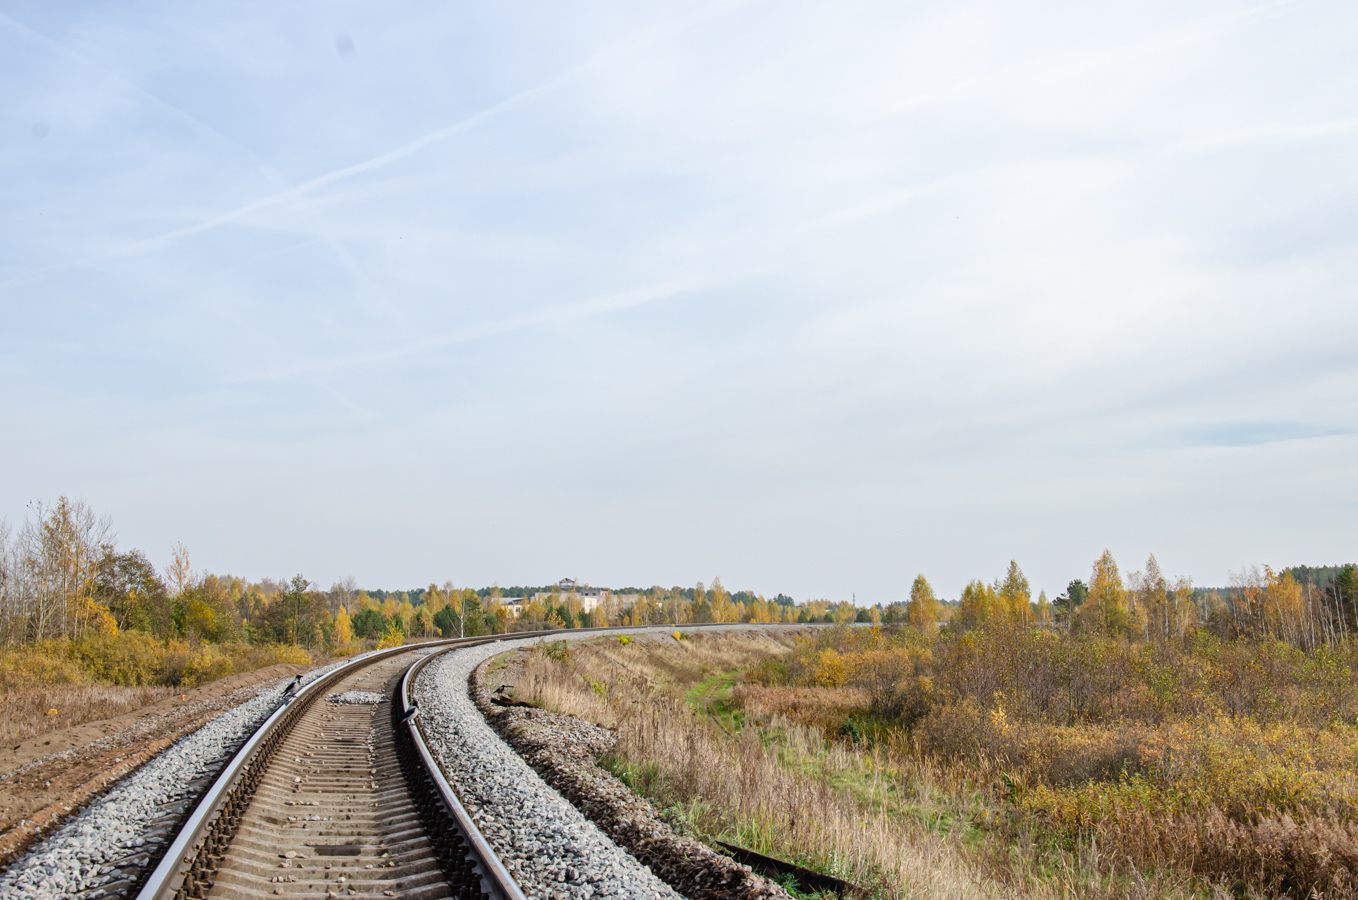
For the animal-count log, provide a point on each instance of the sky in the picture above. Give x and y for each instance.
(811, 297)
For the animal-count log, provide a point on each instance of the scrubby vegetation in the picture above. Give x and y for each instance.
(1142, 741)
(88, 631)
(57, 684)
(1233, 760)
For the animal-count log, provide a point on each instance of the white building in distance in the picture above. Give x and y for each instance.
(590, 597)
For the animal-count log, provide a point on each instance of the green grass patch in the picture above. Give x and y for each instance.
(712, 696)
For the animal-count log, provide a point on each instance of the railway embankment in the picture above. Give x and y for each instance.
(563, 749)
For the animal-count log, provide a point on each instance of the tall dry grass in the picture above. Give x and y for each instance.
(782, 788)
(30, 712)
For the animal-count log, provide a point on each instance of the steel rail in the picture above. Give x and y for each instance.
(461, 848)
(188, 866)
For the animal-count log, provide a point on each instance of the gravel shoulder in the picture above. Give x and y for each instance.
(563, 749)
(552, 850)
(104, 850)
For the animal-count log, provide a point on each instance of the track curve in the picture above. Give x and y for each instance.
(332, 815)
(330, 799)
(336, 799)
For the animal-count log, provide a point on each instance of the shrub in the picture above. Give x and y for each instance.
(771, 671)
(136, 658)
(557, 650)
(130, 658)
(39, 665)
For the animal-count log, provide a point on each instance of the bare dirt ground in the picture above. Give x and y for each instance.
(46, 779)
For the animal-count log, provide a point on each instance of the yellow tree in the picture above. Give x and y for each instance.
(1155, 603)
(1284, 606)
(1105, 609)
(759, 611)
(978, 605)
(344, 629)
(1183, 611)
(1015, 594)
(406, 613)
(1044, 608)
(534, 613)
(497, 611)
(423, 620)
(921, 610)
(434, 599)
(723, 610)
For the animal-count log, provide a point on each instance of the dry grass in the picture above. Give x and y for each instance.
(1235, 762)
(895, 820)
(33, 711)
(817, 707)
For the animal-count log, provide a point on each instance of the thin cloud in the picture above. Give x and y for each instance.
(1279, 133)
(299, 192)
(1253, 434)
(583, 309)
(268, 172)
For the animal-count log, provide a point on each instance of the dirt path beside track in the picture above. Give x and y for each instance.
(45, 779)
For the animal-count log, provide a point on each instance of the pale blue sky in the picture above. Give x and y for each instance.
(813, 297)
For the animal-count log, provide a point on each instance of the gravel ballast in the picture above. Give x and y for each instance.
(104, 849)
(563, 750)
(358, 698)
(553, 851)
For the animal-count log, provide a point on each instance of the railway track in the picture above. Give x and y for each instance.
(335, 796)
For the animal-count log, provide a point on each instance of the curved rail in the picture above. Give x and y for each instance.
(462, 849)
(190, 863)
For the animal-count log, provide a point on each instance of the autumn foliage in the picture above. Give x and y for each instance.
(1232, 759)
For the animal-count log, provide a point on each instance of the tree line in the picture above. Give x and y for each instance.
(1149, 605)
(62, 576)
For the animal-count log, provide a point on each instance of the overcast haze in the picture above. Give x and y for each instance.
(813, 297)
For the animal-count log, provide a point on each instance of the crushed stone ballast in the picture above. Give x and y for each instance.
(105, 851)
(550, 847)
(110, 848)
